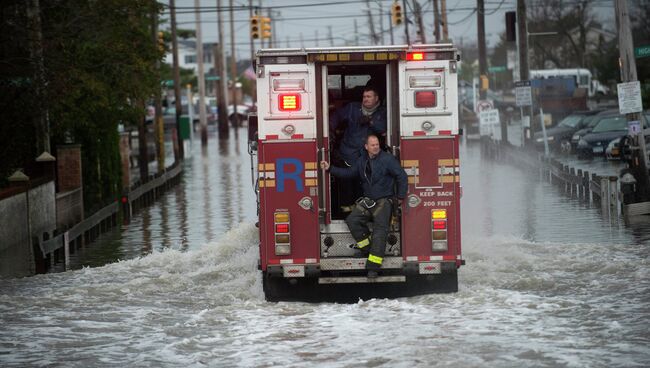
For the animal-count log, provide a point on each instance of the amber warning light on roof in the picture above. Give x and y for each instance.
(289, 102)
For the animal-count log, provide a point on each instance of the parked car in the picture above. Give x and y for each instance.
(619, 148)
(559, 136)
(590, 122)
(607, 129)
(169, 115)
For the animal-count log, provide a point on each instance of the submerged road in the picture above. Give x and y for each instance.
(548, 283)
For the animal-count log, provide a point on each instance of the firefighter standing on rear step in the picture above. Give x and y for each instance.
(378, 171)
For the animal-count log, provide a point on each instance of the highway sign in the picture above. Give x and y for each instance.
(642, 51)
(629, 97)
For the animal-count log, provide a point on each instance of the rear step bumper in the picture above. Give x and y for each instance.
(360, 279)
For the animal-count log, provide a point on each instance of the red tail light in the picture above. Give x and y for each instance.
(282, 228)
(289, 102)
(425, 99)
(415, 56)
(439, 225)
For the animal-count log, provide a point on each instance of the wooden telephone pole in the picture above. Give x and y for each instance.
(628, 74)
(179, 152)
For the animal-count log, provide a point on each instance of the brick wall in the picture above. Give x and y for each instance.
(68, 164)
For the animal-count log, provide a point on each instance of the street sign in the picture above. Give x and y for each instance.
(523, 96)
(629, 97)
(642, 51)
(489, 122)
(633, 127)
(496, 69)
(484, 105)
(212, 77)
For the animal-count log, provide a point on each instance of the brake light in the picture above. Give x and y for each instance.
(425, 99)
(289, 102)
(282, 234)
(415, 56)
(439, 230)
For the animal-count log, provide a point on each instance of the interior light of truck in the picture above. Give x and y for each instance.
(425, 99)
(282, 238)
(289, 85)
(289, 102)
(281, 228)
(425, 81)
(439, 214)
(415, 56)
(281, 217)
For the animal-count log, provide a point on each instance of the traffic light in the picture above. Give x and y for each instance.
(255, 27)
(161, 41)
(485, 83)
(266, 27)
(396, 14)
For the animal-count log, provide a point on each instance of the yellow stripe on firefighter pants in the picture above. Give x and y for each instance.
(374, 259)
(364, 243)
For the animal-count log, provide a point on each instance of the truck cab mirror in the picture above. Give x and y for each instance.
(252, 128)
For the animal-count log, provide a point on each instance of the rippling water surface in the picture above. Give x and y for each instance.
(547, 283)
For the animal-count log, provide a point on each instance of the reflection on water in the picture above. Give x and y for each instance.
(215, 194)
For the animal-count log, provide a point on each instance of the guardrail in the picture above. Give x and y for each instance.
(576, 183)
(103, 220)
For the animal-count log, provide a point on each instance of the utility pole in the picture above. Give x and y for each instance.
(42, 121)
(482, 60)
(180, 151)
(233, 65)
(522, 43)
(371, 25)
(406, 22)
(356, 33)
(222, 95)
(445, 29)
(381, 24)
(628, 74)
(329, 31)
(436, 21)
(418, 19)
(158, 118)
(250, 14)
(390, 22)
(199, 55)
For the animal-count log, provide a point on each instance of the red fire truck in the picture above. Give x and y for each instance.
(305, 246)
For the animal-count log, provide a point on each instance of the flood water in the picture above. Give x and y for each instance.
(548, 283)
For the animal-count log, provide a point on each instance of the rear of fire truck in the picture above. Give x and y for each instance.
(305, 246)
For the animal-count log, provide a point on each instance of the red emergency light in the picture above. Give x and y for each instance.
(415, 56)
(289, 102)
(425, 99)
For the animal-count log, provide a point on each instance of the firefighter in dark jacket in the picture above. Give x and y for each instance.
(378, 171)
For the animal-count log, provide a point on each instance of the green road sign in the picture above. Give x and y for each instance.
(212, 77)
(642, 51)
(496, 69)
(168, 83)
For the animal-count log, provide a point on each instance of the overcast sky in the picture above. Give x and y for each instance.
(312, 20)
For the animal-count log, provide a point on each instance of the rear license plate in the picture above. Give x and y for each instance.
(598, 149)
